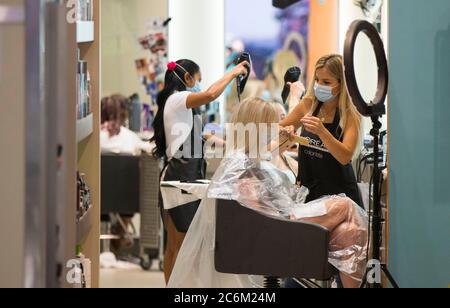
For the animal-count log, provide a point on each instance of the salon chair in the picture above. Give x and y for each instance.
(120, 184)
(130, 185)
(251, 243)
(120, 191)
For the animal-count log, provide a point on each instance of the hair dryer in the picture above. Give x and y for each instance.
(292, 75)
(241, 80)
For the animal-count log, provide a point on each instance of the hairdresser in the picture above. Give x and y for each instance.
(179, 140)
(331, 123)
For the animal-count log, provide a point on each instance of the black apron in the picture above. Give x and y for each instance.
(187, 170)
(320, 172)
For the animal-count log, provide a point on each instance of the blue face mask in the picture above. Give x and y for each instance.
(266, 95)
(324, 93)
(196, 89)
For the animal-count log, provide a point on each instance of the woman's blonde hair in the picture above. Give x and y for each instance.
(254, 112)
(335, 66)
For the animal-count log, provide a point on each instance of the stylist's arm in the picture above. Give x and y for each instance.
(300, 110)
(342, 151)
(292, 123)
(196, 100)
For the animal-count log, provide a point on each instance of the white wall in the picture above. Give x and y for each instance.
(365, 63)
(123, 22)
(197, 32)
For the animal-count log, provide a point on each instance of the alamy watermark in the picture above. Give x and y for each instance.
(72, 12)
(75, 273)
(374, 272)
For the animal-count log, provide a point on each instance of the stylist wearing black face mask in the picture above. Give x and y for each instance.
(178, 105)
(331, 123)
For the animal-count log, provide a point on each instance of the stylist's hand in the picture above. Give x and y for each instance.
(289, 133)
(240, 69)
(313, 125)
(297, 89)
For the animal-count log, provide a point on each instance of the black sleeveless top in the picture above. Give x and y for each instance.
(320, 172)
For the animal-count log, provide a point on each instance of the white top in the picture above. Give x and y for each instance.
(178, 122)
(126, 142)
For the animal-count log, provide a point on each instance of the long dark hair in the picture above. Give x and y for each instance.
(173, 82)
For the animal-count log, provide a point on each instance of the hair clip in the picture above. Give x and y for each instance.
(171, 66)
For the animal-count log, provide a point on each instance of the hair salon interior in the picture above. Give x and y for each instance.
(103, 104)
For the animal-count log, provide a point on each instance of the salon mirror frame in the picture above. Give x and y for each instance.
(377, 106)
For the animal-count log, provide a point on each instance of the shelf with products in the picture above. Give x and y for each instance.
(83, 208)
(85, 119)
(84, 89)
(85, 28)
(85, 53)
(85, 32)
(85, 21)
(85, 127)
(85, 10)
(85, 215)
(84, 225)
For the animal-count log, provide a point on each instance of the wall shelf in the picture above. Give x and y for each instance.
(88, 151)
(85, 32)
(85, 127)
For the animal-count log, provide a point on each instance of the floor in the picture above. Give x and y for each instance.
(135, 278)
(132, 278)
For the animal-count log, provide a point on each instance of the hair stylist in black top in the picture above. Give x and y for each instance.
(331, 123)
(178, 105)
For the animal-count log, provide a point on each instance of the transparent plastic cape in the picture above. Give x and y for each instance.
(194, 267)
(260, 186)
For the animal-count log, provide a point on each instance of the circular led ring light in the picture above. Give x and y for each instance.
(377, 106)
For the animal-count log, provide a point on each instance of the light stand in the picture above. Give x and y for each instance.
(375, 110)
(377, 216)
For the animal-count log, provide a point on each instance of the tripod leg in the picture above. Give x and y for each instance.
(364, 281)
(389, 277)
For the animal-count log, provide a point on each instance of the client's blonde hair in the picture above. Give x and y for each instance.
(253, 113)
